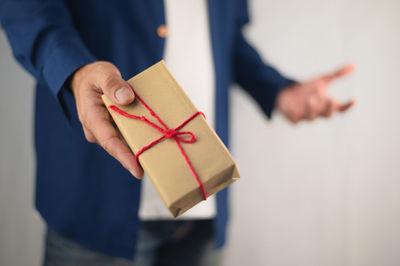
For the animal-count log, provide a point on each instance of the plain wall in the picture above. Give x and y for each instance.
(322, 193)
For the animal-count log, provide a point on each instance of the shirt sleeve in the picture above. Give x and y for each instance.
(44, 40)
(262, 81)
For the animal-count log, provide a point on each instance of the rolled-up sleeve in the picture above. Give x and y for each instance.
(44, 40)
(262, 81)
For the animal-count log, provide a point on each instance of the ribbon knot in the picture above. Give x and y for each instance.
(184, 136)
(170, 133)
(167, 133)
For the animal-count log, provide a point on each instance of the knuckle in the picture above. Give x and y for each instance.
(80, 117)
(291, 116)
(103, 66)
(311, 116)
(83, 118)
(324, 114)
(112, 82)
(296, 118)
(89, 137)
(309, 104)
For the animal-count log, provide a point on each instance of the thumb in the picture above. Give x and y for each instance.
(118, 90)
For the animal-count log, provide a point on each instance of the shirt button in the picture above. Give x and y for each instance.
(162, 31)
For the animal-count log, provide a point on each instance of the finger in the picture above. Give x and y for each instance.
(346, 106)
(294, 119)
(341, 72)
(313, 108)
(329, 109)
(294, 115)
(108, 138)
(118, 90)
(88, 135)
(120, 151)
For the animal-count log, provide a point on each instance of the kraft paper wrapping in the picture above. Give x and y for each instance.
(164, 163)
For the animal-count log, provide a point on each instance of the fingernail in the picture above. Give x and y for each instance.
(123, 94)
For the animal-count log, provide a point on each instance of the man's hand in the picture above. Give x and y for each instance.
(88, 84)
(309, 100)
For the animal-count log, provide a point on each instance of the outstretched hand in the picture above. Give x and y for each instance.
(88, 84)
(309, 100)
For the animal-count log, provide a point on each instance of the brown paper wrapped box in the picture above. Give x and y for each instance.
(164, 163)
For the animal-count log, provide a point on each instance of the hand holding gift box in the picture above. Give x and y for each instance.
(179, 151)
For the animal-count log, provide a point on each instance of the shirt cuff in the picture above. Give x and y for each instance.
(63, 61)
(268, 102)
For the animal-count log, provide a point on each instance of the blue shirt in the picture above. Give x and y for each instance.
(81, 191)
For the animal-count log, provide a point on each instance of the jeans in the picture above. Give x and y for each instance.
(166, 243)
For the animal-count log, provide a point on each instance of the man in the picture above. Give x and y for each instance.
(78, 50)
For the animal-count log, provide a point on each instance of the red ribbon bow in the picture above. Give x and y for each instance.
(168, 133)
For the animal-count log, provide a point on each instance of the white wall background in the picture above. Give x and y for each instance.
(20, 227)
(323, 193)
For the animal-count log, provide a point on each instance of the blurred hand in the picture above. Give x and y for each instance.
(88, 84)
(309, 100)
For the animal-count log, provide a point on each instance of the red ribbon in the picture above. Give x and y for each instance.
(168, 133)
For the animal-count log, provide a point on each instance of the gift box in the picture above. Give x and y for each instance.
(180, 153)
